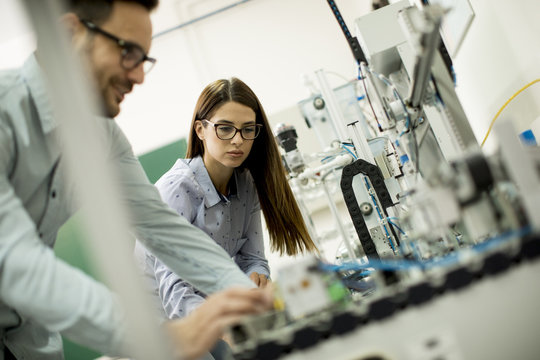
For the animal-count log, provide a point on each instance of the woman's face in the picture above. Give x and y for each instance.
(226, 153)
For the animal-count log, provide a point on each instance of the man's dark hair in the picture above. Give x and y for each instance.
(98, 11)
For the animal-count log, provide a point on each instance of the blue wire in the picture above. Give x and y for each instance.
(415, 251)
(450, 259)
(397, 227)
(389, 238)
(350, 152)
(327, 158)
(363, 273)
(380, 216)
(345, 150)
(398, 96)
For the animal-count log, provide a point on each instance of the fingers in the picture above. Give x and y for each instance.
(239, 301)
(259, 279)
(189, 342)
(197, 333)
(256, 295)
(255, 278)
(227, 337)
(263, 280)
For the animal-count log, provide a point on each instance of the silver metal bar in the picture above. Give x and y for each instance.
(361, 144)
(336, 115)
(339, 224)
(422, 69)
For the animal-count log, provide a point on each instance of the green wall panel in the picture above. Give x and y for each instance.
(157, 162)
(70, 242)
(70, 247)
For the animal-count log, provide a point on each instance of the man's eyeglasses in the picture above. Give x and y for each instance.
(227, 132)
(132, 54)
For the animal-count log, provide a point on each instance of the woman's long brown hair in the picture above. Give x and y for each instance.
(288, 232)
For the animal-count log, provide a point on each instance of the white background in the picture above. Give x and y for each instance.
(270, 43)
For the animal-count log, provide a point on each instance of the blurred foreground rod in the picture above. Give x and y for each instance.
(106, 218)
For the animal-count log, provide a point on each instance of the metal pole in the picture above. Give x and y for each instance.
(108, 241)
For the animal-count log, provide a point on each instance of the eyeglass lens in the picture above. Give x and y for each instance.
(227, 132)
(132, 56)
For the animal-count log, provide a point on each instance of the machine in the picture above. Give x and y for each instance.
(446, 237)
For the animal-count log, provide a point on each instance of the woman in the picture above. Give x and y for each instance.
(232, 170)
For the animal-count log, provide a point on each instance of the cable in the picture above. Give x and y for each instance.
(450, 259)
(394, 91)
(388, 83)
(344, 147)
(339, 76)
(363, 79)
(397, 227)
(416, 146)
(398, 97)
(352, 40)
(505, 104)
(380, 214)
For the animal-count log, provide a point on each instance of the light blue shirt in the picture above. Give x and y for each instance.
(234, 222)
(42, 296)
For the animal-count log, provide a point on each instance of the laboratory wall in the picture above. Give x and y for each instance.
(499, 55)
(16, 38)
(266, 43)
(271, 43)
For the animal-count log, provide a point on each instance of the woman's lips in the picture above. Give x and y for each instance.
(235, 153)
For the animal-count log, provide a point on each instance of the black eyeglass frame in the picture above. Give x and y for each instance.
(125, 46)
(258, 128)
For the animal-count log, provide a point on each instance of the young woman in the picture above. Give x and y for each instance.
(232, 170)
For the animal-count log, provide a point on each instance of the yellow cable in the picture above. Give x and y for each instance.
(506, 103)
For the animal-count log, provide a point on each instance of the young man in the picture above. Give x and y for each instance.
(41, 296)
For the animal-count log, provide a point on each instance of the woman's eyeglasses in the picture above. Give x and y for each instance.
(227, 132)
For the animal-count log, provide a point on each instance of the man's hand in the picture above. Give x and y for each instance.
(197, 333)
(259, 279)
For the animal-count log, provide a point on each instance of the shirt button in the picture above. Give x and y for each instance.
(53, 194)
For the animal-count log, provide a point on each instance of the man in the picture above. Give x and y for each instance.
(41, 296)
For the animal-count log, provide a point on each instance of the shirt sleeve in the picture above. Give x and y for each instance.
(183, 248)
(42, 288)
(174, 188)
(250, 257)
(178, 297)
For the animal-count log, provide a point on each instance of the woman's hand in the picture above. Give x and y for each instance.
(259, 279)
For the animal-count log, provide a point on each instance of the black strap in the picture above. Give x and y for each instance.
(353, 41)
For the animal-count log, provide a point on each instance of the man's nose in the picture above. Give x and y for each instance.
(136, 75)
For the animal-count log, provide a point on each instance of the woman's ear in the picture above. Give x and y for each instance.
(199, 129)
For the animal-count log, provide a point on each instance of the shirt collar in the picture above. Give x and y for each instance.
(213, 197)
(34, 79)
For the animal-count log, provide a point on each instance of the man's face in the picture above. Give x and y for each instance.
(129, 22)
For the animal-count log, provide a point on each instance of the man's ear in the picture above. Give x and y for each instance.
(73, 25)
(199, 129)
